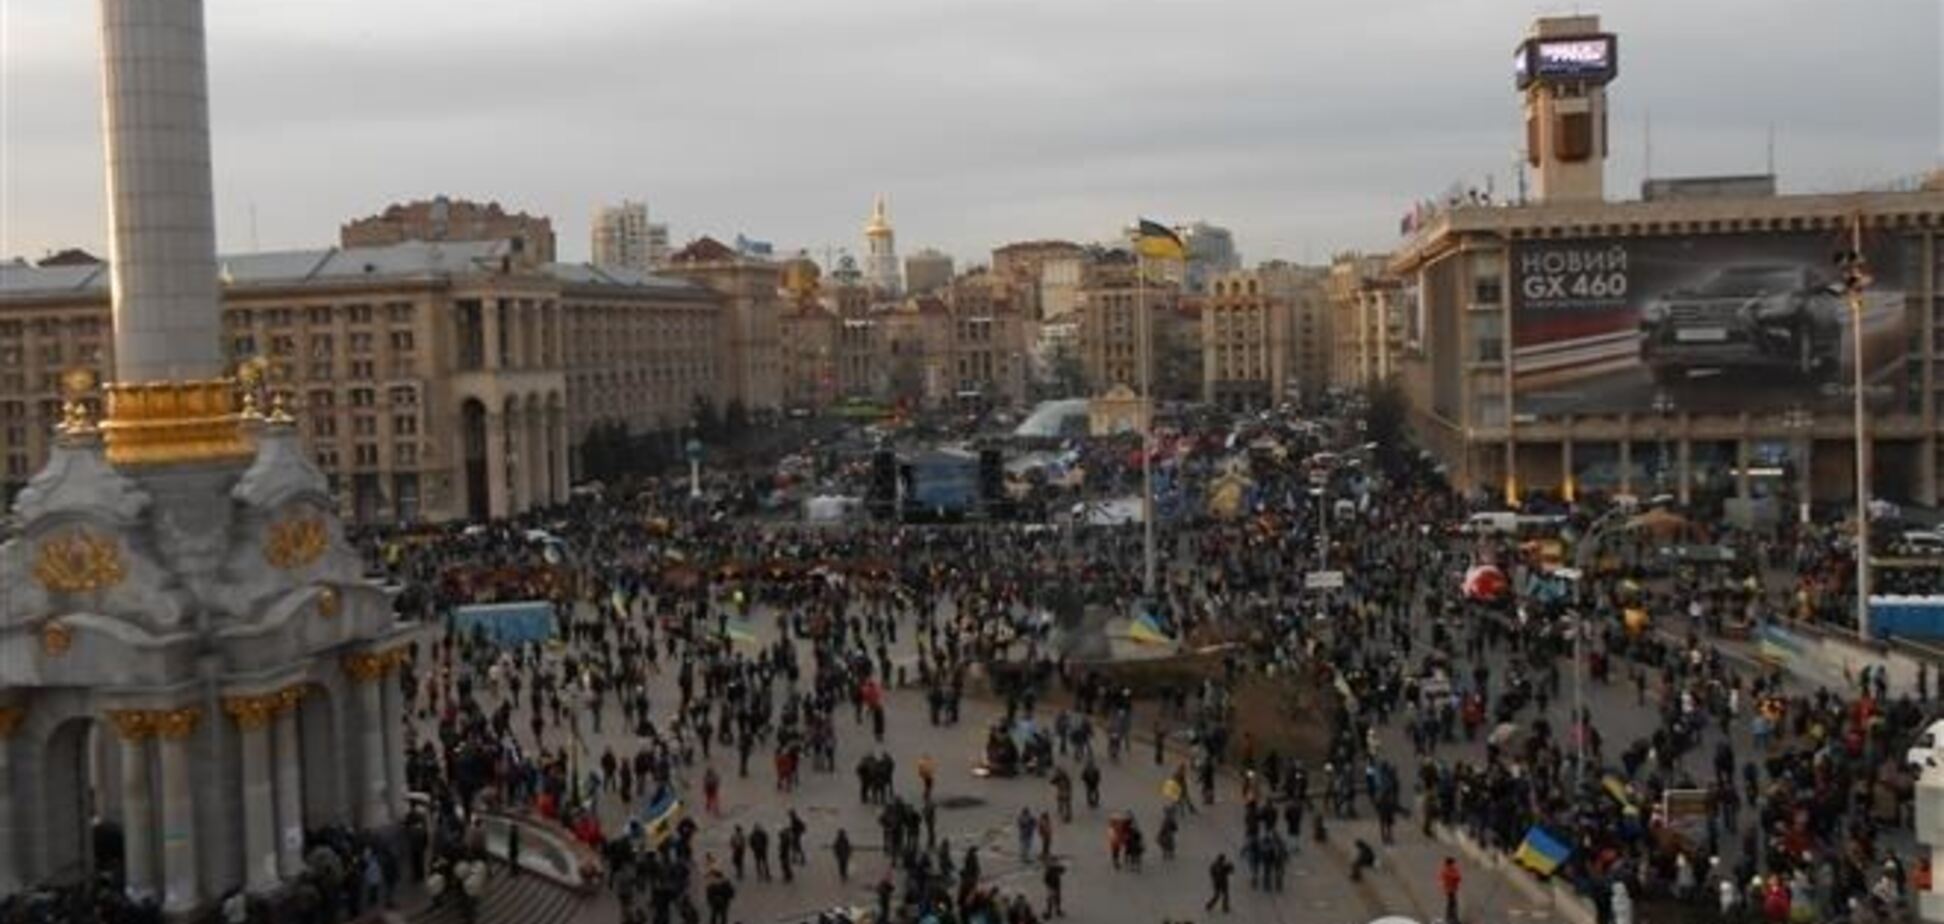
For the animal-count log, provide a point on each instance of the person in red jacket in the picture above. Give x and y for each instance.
(1449, 878)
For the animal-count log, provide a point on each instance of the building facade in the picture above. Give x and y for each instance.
(1244, 343)
(750, 368)
(1590, 346)
(1305, 289)
(442, 219)
(431, 380)
(624, 238)
(927, 271)
(1112, 331)
(1365, 306)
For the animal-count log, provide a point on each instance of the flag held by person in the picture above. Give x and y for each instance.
(658, 817)
(1541, 852)
(1157, 241)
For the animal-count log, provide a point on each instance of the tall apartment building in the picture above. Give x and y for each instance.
(1050, 271)
(1367, 310)
(1244, 343)
(623, 237)
(432, 381)
(1111, 330)
(1211, 253)
(441, 219)
(1305, 289)
(927, 271)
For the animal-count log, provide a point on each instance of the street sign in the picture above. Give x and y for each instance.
(1323, 580)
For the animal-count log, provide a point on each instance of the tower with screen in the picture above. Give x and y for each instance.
(1563, 68)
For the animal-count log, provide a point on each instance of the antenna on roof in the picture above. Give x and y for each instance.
(255, 244)
(1771, 149)
(1647, 169)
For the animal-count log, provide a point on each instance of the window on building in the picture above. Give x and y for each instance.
(241, 347)
(363, 397)
(405, 424)
(283, 345)
(323, 426)
(402, 341)
(50, 354)
(1486, 290)
(364, 425)
(363, 369)
(360, 343)
(318, 314)
(320, 370)
(366, 455)
(358, 314)
(405, 455)
(399, 312)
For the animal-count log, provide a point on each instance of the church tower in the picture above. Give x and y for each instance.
(881, 252)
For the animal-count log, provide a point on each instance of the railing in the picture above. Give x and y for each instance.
(546, 849)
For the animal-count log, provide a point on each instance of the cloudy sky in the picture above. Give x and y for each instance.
(1306, 126)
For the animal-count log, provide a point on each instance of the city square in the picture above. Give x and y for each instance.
(1574, 558)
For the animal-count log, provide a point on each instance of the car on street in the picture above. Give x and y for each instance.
(1750, 317)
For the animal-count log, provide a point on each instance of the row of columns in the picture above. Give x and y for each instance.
(521, 333)
(272, 757)
(158, 804)
(526, 459)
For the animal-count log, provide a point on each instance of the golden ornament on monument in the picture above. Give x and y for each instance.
(296, 541)
(329, 604)
(78, 562)
(56, 639)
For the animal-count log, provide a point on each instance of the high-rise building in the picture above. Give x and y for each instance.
(927, 270)
(1365, 309)
(624, 237)
(444, 219)
(1244, 343)
(1050, 271)
(881, 252)
(1211, 252)
(1305, 290)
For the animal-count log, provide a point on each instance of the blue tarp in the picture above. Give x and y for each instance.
(506, 623)
(1907, 617)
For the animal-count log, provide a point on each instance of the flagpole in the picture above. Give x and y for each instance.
(1146, 322)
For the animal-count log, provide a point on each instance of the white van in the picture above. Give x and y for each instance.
(1488, 522)
(1924, 752)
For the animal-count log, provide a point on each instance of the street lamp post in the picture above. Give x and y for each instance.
(1856, 277)
(1663, 405)
(1799, 421)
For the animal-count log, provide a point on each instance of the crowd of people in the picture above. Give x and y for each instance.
(689, 646)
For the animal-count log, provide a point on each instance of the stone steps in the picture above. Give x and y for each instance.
(526, 899)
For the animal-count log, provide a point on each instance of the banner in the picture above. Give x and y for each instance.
(1701, 323)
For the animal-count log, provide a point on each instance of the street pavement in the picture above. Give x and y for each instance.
(981, 811)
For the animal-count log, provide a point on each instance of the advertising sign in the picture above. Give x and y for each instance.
(1703, 323)
(1584, 58)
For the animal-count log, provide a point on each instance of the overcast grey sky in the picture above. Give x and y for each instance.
(1305, 126)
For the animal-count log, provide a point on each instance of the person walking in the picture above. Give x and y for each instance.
(759, 848)
(719, 893)
(1028, 826)
(1218, 879)
(841, 847)
(1055, 872)
(1449, 879)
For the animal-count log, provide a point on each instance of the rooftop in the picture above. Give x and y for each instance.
(407, 260)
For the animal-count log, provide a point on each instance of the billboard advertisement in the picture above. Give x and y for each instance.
(1706, 323)
(1589, 58)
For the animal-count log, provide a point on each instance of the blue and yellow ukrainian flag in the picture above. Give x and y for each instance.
(1157, 241)
(1541, 852)
(1777, 646)
(1146, 629)
(659, 816)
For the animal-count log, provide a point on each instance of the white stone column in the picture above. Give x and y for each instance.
(538, 456)
(161, 235)
(252, 715)
(181, 885)
(489, 333)
(496, 502)
(367, 673)
(516, 438)
(10, 877)
(138, 820)
(290, 803)
(394, 712)
(561, 484)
